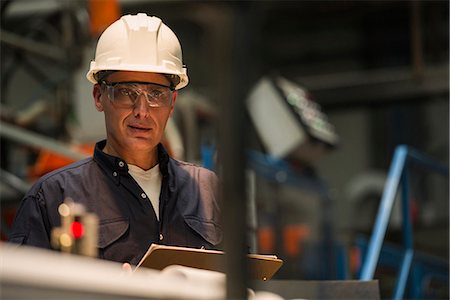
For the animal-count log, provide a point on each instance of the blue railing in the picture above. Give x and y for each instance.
(397, 178)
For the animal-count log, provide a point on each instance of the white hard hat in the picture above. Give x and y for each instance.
(139, 43)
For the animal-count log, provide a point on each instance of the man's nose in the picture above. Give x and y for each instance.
(141, 106)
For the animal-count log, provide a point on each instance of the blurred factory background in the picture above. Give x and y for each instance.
(362, 78)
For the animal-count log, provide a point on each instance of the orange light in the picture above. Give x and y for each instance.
(266, 239)
(102, 14)
(294, 236)
(77, 229)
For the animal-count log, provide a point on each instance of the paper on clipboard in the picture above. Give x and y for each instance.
(160, 256)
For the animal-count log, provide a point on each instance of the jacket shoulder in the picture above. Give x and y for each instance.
(71, 170)
(191, 168)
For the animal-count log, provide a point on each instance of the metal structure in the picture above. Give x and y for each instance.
(29, 138)
(397, 178)
(282, 173)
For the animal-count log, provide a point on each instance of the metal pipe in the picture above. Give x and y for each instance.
(13, 181)
(403, 274)
(428, 162)
(405, 266)
(406, 210)
(384, 212)
(37, 48)
(232, 143)
(353, 79)
(397, 173)
(29, 138)
(416, 41)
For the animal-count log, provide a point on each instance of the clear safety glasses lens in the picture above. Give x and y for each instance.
(126, 94)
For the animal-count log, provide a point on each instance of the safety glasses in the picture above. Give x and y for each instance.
(126, 94)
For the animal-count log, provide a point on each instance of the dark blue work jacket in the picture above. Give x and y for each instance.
(189, 209)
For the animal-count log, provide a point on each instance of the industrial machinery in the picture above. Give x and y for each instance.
(78, 233)
(292, 203)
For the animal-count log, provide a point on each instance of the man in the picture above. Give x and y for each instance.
(140, 194)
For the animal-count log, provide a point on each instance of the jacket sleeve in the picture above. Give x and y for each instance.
(31, 225)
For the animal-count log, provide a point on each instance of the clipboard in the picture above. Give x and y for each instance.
(158, 257)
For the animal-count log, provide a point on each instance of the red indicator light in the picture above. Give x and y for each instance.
(77, 229)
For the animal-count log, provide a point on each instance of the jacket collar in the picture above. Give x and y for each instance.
(115, 167)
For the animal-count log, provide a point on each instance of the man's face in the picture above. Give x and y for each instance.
(138, 128)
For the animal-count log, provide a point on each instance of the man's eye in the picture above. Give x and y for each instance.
(125, 92)
(129, 93)
(156, 93)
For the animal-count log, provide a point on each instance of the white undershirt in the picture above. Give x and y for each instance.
(150, 182)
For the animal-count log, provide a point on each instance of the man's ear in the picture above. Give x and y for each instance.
(97, 93)
(174, 99)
